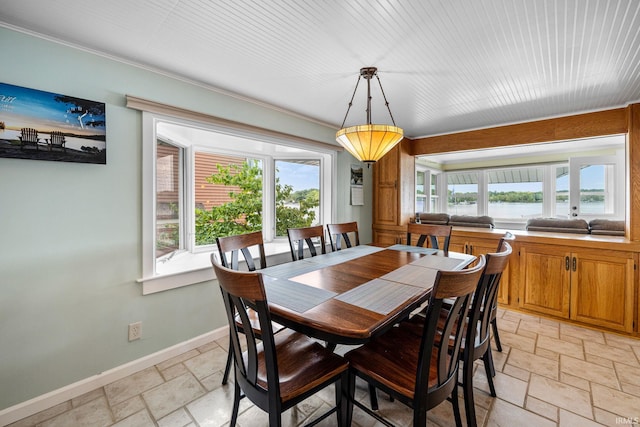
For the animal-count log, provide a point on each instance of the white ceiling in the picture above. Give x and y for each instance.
(445, 66)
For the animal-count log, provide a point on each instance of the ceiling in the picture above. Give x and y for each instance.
(445, 66)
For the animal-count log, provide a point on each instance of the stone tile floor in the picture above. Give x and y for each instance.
(549, 374)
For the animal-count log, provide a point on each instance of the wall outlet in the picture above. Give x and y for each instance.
(135, 331)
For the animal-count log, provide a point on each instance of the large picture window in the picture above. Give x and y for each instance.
(210, 182)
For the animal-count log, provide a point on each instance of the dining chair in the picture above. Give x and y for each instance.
(297, 237)
(477, 342)
(234, 245)
(344, 231)
(508, 236)
(438, 235)
(415, 369)
(277, 371)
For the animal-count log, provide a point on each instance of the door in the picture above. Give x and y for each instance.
(593, 184)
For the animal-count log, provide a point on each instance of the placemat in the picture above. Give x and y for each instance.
(439, 262)
(413, 275)
(292, 295)
(416, 249)
(379, 295)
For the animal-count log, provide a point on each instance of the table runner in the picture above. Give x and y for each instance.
(415, 249)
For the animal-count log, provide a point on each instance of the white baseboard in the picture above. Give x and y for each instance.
(61, 395)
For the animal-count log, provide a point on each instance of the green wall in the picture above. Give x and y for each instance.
(70, 234)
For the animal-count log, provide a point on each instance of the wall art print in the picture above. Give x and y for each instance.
(42, 125)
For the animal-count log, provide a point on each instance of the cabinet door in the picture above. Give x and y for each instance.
(602, 291)
(385, 209)
(545, 279)
(458, 244)
(386, 237)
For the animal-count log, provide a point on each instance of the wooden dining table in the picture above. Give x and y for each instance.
(352, 295)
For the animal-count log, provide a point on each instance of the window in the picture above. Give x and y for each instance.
(515, 193)
(584, 187)
(582, 178)
(462, 193)
(427, 191)
(202, 181)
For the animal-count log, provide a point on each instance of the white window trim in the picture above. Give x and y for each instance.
(191, 266)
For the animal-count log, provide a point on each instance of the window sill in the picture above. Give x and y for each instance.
(190, 268)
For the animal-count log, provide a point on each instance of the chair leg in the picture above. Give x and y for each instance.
(488, 364)
(496, 336)
(467, 391)
(489, 355)
(456, 406)
(236, 405)
(373, 397)
(349, 390)
(227, 368)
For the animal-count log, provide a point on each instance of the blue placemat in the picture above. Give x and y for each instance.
(415, 249)
(379, 295)
(293, 295)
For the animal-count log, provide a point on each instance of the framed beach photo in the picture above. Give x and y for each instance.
(40, 125)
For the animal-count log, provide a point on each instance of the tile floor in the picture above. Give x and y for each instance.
(549, 374)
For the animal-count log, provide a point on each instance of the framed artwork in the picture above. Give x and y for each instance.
(357, 185)
(42, 125)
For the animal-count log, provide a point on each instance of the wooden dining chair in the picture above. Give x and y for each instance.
(298, 236)
(229, 248)
(508, 236)
(434, 236)
(344, 231)
(241, 243)
(415, 369)
(277, 371)
(477, 342)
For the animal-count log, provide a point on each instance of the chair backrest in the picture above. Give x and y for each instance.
(439, 235)
(241, 243)
(438, 362)
(297, 237)
(241, 289)
(339, 232)
(29, 134)
(486, 295)
(57, 137)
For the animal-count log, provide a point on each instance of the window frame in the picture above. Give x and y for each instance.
(192, 265)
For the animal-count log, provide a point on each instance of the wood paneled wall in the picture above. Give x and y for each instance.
(608, 122)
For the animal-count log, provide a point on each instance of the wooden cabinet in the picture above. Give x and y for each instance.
(393, 195)
(590, 286)
(477, 246)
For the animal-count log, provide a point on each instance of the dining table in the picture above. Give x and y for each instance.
(350, 296)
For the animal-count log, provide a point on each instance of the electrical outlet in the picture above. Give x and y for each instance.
(135, 331)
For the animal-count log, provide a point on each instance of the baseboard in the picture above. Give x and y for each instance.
(56, 397)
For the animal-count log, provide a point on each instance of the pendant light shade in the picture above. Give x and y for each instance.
(369, 142)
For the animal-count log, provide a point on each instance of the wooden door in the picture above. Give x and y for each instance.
(602, 289)
(545, 279)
